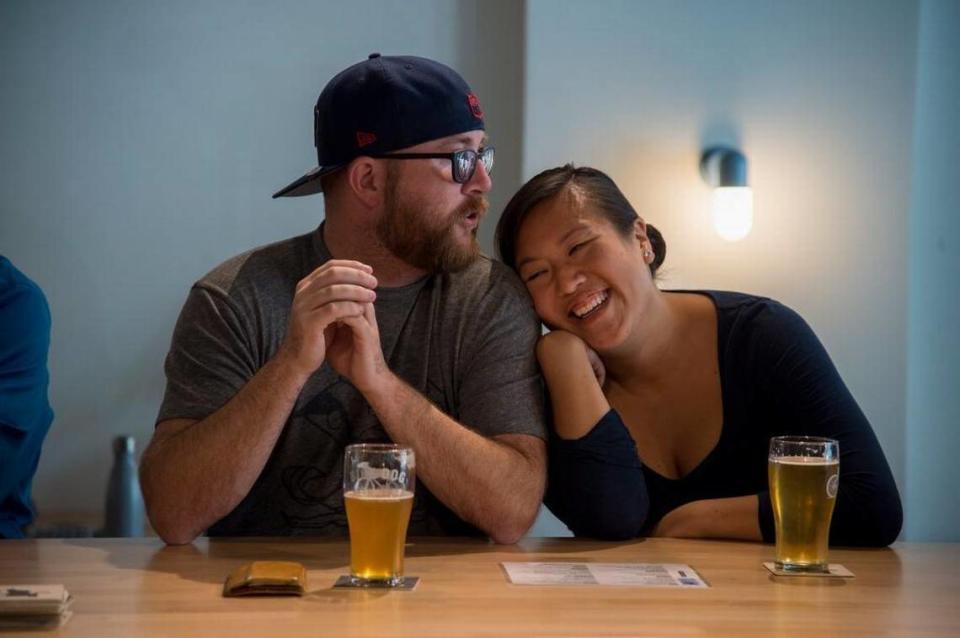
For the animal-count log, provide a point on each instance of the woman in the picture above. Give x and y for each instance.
(664, 402)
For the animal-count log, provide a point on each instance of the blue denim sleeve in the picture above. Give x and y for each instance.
(595, 483)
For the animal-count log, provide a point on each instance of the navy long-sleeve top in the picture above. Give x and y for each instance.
(25, 413)
(776, 379)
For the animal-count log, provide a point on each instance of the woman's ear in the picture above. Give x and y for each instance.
(645, 245)
(640, 230)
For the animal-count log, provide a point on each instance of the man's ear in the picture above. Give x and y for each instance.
(367, 178)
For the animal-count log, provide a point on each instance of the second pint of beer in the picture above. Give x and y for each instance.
(803, 479)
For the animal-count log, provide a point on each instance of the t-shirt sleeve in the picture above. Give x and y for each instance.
(596, 484)
(500, 388)
(211, 356)
(811, 399)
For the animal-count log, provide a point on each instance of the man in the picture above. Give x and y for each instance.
(384, 324)
(25, 413)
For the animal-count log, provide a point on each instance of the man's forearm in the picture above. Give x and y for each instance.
(194, 474)
(497, 485)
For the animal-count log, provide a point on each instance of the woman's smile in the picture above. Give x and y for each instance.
(588, 305)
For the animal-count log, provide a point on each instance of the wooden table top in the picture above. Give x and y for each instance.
(138, 587)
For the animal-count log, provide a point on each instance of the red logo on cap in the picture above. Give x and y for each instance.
(474, 102)
(365, 139)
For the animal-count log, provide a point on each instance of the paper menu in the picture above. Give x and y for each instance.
(609, 574)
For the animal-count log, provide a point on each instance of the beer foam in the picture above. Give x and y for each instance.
(382, 494)
(803, 460)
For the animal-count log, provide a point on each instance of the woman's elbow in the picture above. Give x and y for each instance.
(619, 529)
(877, 525)
(886, 525)
(612, 522)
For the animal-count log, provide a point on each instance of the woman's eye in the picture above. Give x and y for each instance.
(576, 247)
(533, 276)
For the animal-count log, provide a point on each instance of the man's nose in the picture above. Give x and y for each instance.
(480, 181)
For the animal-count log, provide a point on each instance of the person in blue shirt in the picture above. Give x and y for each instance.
(664, 402)
(25, 413)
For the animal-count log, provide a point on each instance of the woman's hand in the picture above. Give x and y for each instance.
(574, 381)
(599, 370)
(559, 348)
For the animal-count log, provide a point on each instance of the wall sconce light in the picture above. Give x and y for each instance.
(731, 208)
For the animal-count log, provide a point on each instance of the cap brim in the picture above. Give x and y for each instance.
(309, 184)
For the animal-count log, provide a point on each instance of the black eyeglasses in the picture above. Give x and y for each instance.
(463, 163)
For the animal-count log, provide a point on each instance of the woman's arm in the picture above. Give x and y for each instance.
(595, 482)
(801, 393)
(734, 518)
(810, 398)
(575, 393)
(804, 395)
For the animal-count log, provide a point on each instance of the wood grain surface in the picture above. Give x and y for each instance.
(139, 587)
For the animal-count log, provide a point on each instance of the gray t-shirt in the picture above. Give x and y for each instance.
(464, 340)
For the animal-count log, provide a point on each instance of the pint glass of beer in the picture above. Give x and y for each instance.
(378, 483)
(804, 473)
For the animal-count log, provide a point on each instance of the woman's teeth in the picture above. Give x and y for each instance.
(591, 304)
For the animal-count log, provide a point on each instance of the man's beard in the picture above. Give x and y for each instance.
(408, 230)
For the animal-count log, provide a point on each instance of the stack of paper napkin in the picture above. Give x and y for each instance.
(31, 606)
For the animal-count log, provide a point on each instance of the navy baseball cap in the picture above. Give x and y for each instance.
(384, 104)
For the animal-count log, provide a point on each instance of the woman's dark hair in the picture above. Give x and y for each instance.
(596, 186)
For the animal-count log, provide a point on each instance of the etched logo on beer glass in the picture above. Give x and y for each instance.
(804, 475)
(378, 485)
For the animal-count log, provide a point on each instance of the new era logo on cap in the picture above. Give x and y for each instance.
(474, 103)
(365, 139)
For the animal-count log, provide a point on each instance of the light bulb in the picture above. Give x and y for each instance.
(732, 211)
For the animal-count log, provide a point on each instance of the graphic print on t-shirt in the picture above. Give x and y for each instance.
(317, 434)
(314, 441)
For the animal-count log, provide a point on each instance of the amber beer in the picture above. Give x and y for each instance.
(804, 474)
(378, 530)
(378, 485)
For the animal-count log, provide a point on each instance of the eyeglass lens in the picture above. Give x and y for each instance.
(465, 163)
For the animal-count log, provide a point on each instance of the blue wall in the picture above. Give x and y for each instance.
(933, 389)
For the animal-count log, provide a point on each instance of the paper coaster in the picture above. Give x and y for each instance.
(836, 571)
(346, 582)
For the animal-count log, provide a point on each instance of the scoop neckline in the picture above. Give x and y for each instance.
(723, 403)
